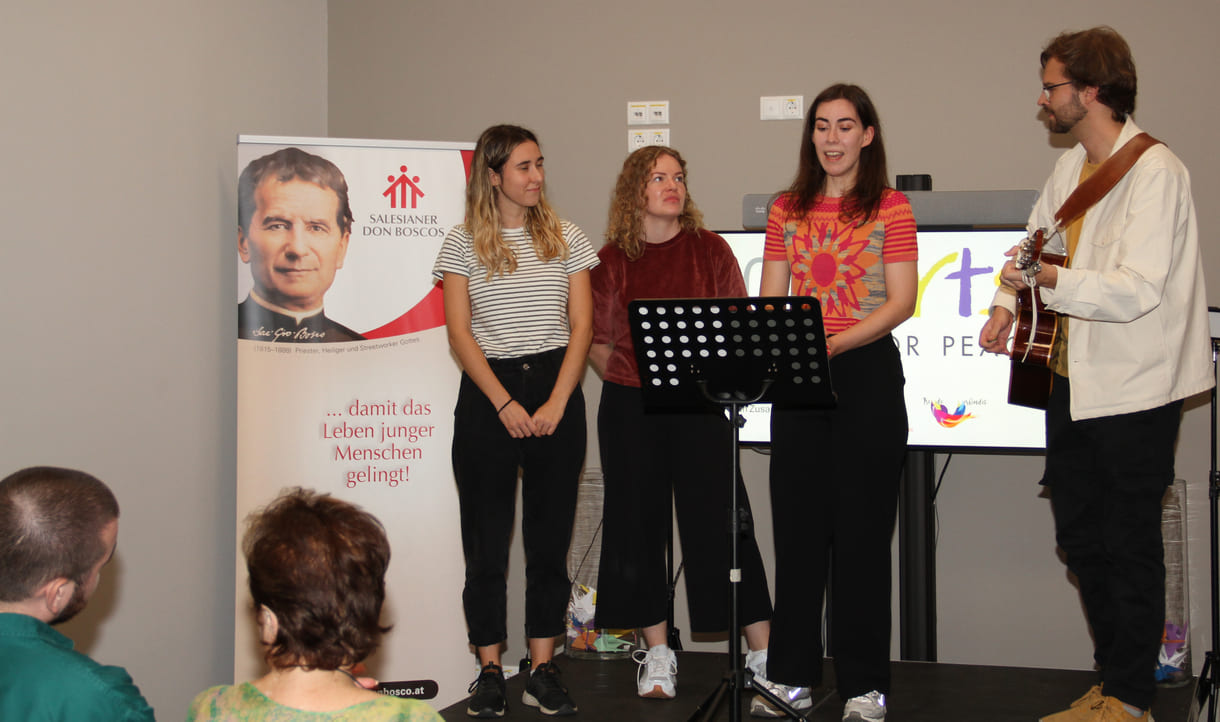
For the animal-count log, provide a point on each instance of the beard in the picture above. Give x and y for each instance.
(74, 606)
(1066, 118)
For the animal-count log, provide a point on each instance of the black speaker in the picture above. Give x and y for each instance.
(915, 182)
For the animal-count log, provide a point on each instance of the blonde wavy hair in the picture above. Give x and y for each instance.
(483, 220)
(625, 228)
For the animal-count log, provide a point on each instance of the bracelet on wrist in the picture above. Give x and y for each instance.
(505, 406)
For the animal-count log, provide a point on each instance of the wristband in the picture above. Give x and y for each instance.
(505, 406)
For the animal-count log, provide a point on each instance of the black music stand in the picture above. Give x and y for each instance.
(731, 352)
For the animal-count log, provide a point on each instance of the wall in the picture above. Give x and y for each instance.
(120, 127)
(956, 91)
(142, 100)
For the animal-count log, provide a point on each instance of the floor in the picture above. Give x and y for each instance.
(605, 690)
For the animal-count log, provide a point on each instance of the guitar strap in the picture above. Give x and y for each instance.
(1103, 179)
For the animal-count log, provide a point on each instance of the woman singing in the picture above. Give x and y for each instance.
(841, 235)
(519, 316)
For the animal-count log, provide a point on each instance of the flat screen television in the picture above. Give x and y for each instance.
(956, 394)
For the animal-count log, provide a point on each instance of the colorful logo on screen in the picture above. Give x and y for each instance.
(948, 420)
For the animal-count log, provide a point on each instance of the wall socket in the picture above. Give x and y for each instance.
(781, 107)
(641, 137)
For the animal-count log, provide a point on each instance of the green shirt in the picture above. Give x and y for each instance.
(43, 678)
(245, 703)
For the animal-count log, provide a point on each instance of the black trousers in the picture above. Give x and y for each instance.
(486, 461)
(834, 500)
(1107, 478)
(647, 459)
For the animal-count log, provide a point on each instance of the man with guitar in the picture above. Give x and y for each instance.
(1132, 342)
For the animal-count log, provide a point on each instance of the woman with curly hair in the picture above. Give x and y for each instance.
(841, 235)
(519, 316)
(317, 576)
(657, 247)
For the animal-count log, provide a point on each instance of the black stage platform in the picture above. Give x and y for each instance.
(922, 691)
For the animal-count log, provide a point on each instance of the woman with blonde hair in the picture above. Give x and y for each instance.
(519, 315)
(657, 247)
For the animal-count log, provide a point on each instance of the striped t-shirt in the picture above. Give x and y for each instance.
(524, 312)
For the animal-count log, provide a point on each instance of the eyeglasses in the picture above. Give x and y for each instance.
(1046, 89)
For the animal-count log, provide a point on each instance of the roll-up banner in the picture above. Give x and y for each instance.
(345, 380)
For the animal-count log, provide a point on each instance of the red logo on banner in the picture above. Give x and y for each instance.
(399, 186)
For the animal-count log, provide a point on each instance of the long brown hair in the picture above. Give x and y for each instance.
(864, 199)
(625, 228)
(483, 221)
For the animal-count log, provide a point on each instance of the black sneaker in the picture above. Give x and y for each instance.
(547, 693)
(488, 697)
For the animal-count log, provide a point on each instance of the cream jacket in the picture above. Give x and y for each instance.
(1135, 294)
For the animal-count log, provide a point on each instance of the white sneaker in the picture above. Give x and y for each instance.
(865, 708)
(798, 698)
(756, 662)
(658, 673)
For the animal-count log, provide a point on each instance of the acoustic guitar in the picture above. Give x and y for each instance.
(1034, 330)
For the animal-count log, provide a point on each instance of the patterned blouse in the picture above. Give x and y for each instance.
(245, 703)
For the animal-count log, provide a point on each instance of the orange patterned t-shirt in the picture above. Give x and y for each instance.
(841, 264)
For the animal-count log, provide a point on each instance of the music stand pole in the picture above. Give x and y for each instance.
(714, 347)
(735, 531)
(734, 679)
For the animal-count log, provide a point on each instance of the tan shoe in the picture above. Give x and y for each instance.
(1084, 709)
(1112, 710)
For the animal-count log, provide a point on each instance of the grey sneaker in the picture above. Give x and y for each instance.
(865, 708)
(547, 693)
(798, 698)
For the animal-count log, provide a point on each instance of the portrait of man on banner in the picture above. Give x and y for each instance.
(294, 225)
